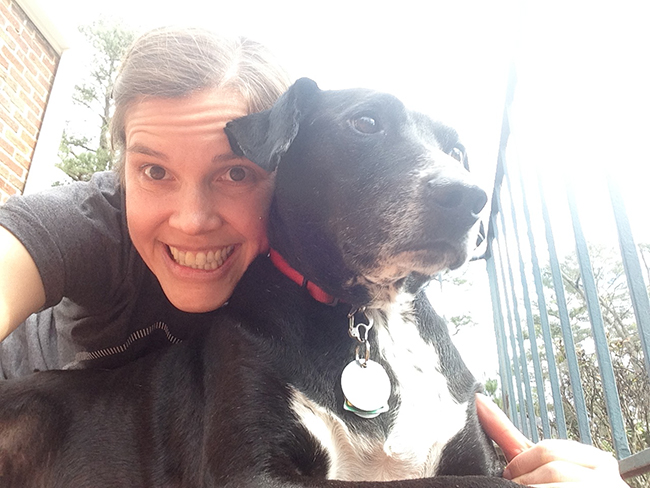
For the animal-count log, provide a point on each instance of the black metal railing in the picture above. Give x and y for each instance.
(543, 341)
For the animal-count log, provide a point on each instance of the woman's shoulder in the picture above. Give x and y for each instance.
(68, 212)
(103, 189)
(108, 182)
(66, 228)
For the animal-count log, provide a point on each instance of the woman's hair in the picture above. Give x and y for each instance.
(174, 62)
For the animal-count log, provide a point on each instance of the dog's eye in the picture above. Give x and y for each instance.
(457, 154)
(366, 124)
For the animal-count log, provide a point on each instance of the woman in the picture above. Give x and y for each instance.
(121, 265)
(138, 259)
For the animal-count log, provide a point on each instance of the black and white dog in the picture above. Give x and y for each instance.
(328, 368)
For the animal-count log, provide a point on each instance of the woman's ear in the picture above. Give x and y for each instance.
(265, 136)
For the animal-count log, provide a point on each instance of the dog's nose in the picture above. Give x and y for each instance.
(457, 197)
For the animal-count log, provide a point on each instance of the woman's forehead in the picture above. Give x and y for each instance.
(205, 109)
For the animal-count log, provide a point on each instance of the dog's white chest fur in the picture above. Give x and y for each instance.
(428, 416)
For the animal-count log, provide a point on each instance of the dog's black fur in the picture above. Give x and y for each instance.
(368, 205)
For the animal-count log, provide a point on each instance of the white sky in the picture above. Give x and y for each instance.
(448, 59)
(582, 100)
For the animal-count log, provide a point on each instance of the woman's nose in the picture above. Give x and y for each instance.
(196, 212)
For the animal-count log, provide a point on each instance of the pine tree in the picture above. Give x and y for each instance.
(80, 155)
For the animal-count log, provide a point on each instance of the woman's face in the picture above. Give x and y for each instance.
(196, 212)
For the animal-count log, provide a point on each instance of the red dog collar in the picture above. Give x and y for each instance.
(314, 290)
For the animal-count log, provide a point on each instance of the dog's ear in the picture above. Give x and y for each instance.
(265, 136)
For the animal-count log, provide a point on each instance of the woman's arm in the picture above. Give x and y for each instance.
(550, 463)
(21, 287)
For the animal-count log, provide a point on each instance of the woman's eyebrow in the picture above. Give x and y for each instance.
(140, 149)
(225, 158)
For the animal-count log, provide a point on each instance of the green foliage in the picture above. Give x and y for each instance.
(633, 381)
(632, 378)
(461, 322)
(81, 165)
(80, 155)
(491, 387)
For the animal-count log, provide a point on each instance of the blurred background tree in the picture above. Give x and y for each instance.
(625, 349)
(633, 381)
(84, 151)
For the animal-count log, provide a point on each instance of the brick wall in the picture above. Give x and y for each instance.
(27, 67)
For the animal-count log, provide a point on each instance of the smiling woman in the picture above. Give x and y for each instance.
(137, 259)
(189, 198)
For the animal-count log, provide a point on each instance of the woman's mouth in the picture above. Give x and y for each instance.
(206, 260)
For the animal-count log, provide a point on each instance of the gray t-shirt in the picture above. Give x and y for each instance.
(103, 306)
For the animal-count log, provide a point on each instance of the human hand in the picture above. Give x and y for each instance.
(550, 463)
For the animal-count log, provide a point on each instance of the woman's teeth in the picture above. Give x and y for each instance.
(202, 260)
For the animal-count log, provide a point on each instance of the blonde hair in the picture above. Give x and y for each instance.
(174, 62)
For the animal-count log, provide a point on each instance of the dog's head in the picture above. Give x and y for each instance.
(367, 192)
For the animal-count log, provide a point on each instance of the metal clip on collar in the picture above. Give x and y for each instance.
(359, 331)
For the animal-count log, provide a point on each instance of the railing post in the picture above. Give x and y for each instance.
(565, 324)
(612, 401)
(519, 340)
(632, 266)
(507, 392)
(558, 406)
(539, 379)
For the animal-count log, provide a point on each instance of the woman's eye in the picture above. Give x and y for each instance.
(366, 124)
(155, 172)
(237, 173)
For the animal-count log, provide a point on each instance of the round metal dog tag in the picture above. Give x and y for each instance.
(366, 388)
